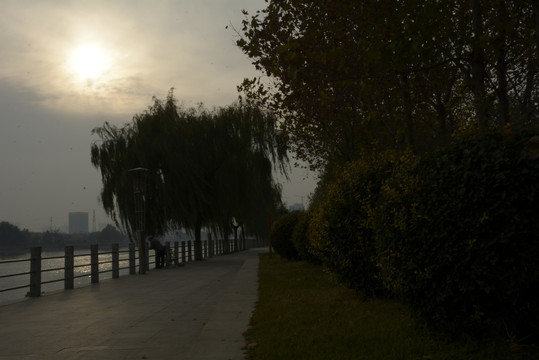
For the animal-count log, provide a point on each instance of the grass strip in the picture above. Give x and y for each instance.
(303, 313)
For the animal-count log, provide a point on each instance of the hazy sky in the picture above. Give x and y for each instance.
(66, 67)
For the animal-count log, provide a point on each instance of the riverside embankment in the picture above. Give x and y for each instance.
(199, 311)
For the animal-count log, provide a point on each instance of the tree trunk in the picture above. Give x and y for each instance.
(527, 107)
(407, 118)
(536, 20)
(443, 132)
(235, 228)
(243, 241)
(478, 68)
(501, 66)
(198, 239)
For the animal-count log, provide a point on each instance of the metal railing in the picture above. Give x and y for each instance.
(14, 274)
(174, 256)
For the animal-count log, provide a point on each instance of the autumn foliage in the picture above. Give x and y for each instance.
(419, 115)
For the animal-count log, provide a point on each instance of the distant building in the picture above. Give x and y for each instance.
(101, 226)
(78, 223)
(296, 207)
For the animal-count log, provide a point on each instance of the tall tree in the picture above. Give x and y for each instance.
(207, 167)
(346, 75)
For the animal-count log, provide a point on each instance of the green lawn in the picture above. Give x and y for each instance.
(303, 313)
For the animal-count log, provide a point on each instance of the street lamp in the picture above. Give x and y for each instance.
(140, 176)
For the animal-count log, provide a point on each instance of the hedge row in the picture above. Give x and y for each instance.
(455, 233)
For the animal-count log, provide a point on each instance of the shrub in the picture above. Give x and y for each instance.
(281, 235)
(301, 241)
(458, 236)
(341, 226)
(317, 232)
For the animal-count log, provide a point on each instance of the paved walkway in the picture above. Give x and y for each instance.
(199, 311)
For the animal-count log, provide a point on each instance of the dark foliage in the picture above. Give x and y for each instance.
(281, 235)
(300, 239)
(459, 236)
(348, 246)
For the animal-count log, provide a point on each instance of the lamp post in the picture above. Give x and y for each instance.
(140, 176)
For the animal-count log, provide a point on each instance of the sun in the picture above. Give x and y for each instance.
(89, 61)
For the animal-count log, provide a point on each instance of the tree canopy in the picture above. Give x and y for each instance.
(206, 168)
(11, 236)
(349, 76)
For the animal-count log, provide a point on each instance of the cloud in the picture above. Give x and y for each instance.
(47, 113)
(153, 46)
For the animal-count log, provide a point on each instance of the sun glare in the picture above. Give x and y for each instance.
(89, 62)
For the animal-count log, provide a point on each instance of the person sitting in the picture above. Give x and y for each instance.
(159, 252)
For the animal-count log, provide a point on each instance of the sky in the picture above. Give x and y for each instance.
(68, 66)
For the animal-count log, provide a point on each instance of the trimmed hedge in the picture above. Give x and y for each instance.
(281, 235)
(458, 236)
(301, 241)
(341, 228)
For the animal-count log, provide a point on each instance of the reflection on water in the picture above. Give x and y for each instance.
(82, 271)
(52, 269)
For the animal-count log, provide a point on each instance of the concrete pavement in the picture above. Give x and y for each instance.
(199, 311)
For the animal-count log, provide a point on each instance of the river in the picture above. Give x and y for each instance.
(82, 267)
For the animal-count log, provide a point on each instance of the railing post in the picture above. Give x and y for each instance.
(198, 247)
(176, 260)
(35, 272)
(183, 252)
(147, 258)
(115, 261)
(189, 255)
(69, 267)
(132, 264)
(167, 253)
(204, 249)
(94, 259)
(210, 245)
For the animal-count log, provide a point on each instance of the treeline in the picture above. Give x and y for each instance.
(422, 119)
(348, 77)
(16, 241)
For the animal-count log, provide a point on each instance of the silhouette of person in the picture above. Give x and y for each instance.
(159, 252)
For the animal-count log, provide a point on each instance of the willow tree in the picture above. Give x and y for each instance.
(250, 150)
(207, 167)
